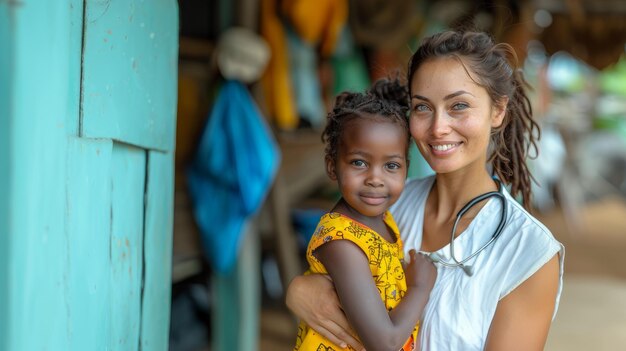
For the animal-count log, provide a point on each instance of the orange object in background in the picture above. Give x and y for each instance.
(277, 86)
(317, 22)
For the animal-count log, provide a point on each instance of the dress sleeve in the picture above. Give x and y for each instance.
(334, 227)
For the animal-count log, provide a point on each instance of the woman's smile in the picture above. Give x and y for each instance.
(443, 149)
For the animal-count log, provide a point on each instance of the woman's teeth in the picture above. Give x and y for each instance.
(445, 147)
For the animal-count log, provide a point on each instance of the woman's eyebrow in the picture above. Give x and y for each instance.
(447, 97)
(419, 97)
(455, 94)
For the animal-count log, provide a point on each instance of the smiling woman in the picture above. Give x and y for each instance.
(471, 120)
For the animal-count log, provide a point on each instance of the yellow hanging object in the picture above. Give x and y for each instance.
(317, 22)
(276, 80)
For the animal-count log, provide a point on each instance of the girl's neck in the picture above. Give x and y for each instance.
(375, 223)
(452, 191)
(345, 209)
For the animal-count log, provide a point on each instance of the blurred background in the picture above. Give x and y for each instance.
(572, 53)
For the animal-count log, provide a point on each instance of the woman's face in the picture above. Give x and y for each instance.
(451, 116)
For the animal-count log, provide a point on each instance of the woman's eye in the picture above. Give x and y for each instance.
(420, 108)
(460, 106)
(358, 163)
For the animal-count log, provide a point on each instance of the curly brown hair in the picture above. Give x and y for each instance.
(494, 67)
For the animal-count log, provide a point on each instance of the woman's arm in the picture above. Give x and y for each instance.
(377, 328)
(523, 317)
(314, 300)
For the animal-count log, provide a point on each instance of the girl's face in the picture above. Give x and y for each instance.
(451, 116)
(371, 164)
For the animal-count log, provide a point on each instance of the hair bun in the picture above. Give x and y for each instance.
(391, 90)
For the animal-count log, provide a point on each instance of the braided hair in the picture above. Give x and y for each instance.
(386, 100)
(494, 67)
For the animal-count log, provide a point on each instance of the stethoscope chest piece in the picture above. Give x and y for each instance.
(435, 258)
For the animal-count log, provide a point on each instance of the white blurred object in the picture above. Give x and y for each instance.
(242, 55)
(547, 168)
(600, 157)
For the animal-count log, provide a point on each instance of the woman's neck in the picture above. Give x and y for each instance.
(453, 190)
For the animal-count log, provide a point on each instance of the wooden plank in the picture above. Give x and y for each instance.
(88, 213)
(71, 210)
(72, 118)
(44, 78)
(159, 221)
(139, 40)
(6, 90)
(126, 246)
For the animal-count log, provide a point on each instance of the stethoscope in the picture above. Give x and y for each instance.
(468, 269)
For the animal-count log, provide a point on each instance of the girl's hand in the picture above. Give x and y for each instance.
(313, 299)
(420, 272)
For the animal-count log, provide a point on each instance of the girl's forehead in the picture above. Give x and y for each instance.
(366, 121)
(375, 127)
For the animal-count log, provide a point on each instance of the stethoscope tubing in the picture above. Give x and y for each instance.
(461, 263)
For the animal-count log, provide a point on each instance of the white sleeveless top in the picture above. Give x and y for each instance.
(461, 308)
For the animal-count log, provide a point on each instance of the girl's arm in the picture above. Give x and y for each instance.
(377, 328)
(314, 300)
(523, 317)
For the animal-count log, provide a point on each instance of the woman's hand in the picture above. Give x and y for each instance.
(313, 299)
(420, 272)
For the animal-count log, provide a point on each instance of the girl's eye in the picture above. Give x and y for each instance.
(393, 166)
(358, 163)
(460, 106)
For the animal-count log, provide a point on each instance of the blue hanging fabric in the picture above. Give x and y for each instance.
(231, 173)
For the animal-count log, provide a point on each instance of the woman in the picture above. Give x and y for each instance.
(470, 119)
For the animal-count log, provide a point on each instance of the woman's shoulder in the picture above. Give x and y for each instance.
(520, 220)
(527, 245)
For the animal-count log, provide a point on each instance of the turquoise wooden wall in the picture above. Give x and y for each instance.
(87, 125)
(6, 47)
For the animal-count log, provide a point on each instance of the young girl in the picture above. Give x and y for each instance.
(357, 244)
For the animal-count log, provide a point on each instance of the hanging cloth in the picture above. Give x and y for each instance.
(304, 76)
(317, 22)
(231, 173)
(276, 81)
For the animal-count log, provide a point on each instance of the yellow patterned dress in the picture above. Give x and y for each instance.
(385, 260)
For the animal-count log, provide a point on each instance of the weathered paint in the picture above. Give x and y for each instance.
(37, 282)
(126, 245)
(88, 235)
(73, 207)
(159, 222)
(6, 62)
(133, 37)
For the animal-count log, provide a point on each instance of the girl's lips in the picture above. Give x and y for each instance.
(373, 200)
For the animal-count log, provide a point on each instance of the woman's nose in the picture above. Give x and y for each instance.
(440, 124)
